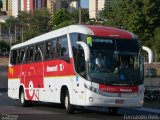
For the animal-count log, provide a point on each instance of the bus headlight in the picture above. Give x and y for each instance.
(90, 99)
(92, 89)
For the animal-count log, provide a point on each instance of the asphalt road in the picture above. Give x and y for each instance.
(3, 78)
(12, 109)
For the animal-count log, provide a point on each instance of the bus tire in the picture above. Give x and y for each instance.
(22, 99)
(69, 108)
(113, 110)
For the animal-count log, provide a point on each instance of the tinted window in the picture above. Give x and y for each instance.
(22, 54)
(48, 50)
(39, 51)
(64, 47)
(18, 57)
(13, 57)
(78, 53)
(131, 45)
(31, 55)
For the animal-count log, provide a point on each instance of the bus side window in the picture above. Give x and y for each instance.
(31, 55)
(58, 48)
(22, 54)
(13, 57)
(53, 49)
(37, 53)
(26, 55)
(47, 50)
(64, 47)
(39, 48)
(18, 59)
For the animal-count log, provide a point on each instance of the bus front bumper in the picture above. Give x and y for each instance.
(97, 100)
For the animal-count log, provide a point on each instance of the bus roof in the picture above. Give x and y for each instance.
(85, 29)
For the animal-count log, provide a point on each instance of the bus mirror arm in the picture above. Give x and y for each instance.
(86, 50)
(150, 53)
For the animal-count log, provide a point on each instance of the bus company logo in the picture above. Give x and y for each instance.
(125, 90)
(52, 68)
(61, 67)
(56, 68)
(11, 70)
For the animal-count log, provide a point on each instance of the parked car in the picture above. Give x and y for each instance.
(151, 72)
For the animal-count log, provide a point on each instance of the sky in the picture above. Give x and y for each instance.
(85, 3)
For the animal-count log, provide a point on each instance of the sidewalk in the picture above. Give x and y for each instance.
(4, 61)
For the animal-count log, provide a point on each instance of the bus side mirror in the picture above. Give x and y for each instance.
(86, 50)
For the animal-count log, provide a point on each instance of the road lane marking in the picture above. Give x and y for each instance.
(148, 110)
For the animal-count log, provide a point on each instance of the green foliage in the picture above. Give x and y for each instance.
(60, 16)
(63, 24)
(64, 18)
(156, 45)
(4, 45)
(138, 16)
(29, 25)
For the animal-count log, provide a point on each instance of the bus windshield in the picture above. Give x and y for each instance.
(115, 61)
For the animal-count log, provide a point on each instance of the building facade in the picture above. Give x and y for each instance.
(5, 5)
(9, 12)
(95, 6)
(75, 4)
(16, 8)
(54, 5)
(31, 5)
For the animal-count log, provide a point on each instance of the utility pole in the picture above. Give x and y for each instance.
(22, 34)
(10, 40)
(0, 33)
(9, 35)
(80, 12)
(15, 33)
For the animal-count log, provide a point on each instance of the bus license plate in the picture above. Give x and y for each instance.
(119, 101)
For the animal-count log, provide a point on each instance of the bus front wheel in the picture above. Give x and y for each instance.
(113, 110)
(68, 106)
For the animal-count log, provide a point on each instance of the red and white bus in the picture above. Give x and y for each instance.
(79, 65)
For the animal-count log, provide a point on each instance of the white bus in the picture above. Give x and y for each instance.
(79, 65)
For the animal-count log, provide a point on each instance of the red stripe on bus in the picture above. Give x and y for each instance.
(118, 89)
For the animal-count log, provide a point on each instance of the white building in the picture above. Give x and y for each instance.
(16, 7)
(95, 6)
(74, 4)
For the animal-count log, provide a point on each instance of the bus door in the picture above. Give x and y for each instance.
(78, 85)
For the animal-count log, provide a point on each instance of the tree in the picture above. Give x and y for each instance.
(156, 45)
(138, 16)
(64, 18)
(4, 46)
(60, 16)
(40, 21)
